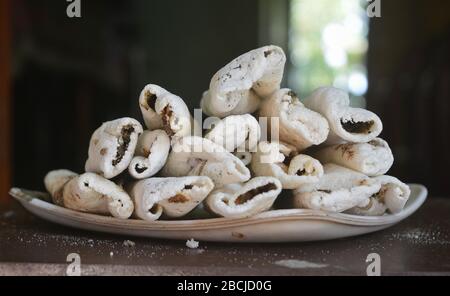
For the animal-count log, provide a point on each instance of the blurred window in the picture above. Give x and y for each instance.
(328, 46)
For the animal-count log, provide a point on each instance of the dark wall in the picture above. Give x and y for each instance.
(72, 74)
(409, 87)
(5, 102)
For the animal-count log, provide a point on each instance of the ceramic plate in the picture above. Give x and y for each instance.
(292, 225)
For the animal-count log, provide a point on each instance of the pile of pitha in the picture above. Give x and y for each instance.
(325, 152)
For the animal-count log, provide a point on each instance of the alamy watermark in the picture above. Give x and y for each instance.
(231, 135)
(374, 268)
(74, 8)
(74, 268)
(373, 8)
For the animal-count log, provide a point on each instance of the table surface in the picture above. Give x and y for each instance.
(419, 245)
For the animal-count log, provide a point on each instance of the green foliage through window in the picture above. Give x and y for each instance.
(328, 45)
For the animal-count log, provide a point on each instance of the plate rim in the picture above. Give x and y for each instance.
(33, 203)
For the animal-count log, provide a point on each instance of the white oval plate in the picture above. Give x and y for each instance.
(291, 225)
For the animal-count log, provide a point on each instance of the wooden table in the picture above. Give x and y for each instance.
(419, 245)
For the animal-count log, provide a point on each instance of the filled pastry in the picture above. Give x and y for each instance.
(338, 190)
(262, 139)
(89, 193)
(347, 124)
(112, 147)
(373, 158)
(239, 87)
(283, 162)
(391, 197)
(164, 110)
(244, 199)
(172, 197)
(296, 124)
(151, 154)
(195, 156)
(238, 133)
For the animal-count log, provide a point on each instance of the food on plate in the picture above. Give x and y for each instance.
(347, 124)
(196, 156)
(242, 200)
(391, 197)
(164, 110)
(245, 157)
(172, 197)
(338, 190)
(89, 193)
(150, 155)
(296, 124)
(283, 162)
(394, 193)
(236, 133)
(373, 158)
(112, 147)
(375, 207)
(239, 87)
(326, 153)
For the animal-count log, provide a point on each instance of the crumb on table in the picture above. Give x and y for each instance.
(191, 243)
(128, 243)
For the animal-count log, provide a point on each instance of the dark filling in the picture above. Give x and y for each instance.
(267, 53)
(122, 148)
(288, 158)
(145, 152)
(292, 94)
(166, 114)
(140, 169)
(103, 151)
(360, 127)
(150, 99)
(380, 193)
(324, 190)
(154, 209)
(346, 149)
(301, 173)
(188, 186)
(243, 198)
(363, 182)
(179, 198)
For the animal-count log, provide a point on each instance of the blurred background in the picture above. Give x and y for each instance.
(61, 77)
